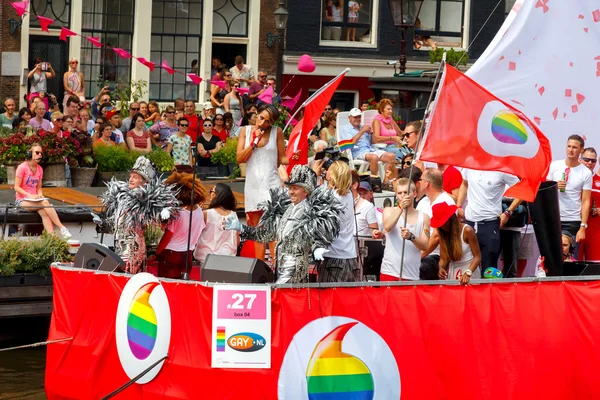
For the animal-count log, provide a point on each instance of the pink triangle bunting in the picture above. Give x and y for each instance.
(243, 90)
(20, 7)
(65, 33)
(122, 53)
(45, 23)
(221, 84)
(147, 63)
(167, 68)
(94, 40)
(194, 78)
(267, 95)
(291, 102)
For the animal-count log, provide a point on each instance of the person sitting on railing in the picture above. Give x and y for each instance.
(28, 188)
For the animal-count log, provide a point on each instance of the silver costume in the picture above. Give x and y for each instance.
(298, 229)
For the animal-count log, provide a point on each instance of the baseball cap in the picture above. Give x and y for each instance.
(355, 112)
(208, 106)
(112, 112)
(365, 186)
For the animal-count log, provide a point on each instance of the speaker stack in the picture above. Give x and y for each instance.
(230, 269)
(97, 257)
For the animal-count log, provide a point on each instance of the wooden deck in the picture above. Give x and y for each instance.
(73, 196)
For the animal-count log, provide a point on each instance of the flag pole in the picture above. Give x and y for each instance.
(315, 94)
(419, 137)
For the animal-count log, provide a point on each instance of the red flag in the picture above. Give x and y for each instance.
(45, 23)
(472, 128)
(20, 7)
(194, 78)
(94, 40)
(313, 108)
(65, 33)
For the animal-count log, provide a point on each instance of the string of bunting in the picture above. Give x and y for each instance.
(21, 8)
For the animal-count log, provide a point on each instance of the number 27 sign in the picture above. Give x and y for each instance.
(241, 326)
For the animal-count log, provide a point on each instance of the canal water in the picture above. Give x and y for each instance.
(22, 371)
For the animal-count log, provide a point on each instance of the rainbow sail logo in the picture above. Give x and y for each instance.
(338, 358)
(333, 374)
(143, 326)
(220, 339)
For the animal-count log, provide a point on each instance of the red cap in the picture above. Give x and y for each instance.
(441, 212)
(112, 112)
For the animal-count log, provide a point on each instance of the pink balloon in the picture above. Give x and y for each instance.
(306, 64)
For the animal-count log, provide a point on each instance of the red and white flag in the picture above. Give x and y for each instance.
(471, 128)
(313, 108)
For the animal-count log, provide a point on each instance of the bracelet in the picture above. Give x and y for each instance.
(468, 272)
(412, 237)
(508, 212)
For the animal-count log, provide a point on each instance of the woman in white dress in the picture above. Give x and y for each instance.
(234, 104)
(459, 249)
(262, 148)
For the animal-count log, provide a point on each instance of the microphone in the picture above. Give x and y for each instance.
(255, 138)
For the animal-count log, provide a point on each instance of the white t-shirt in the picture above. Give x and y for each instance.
(180, 228)
(365, 215)
(425, 206)
(578, 180)
(344, 245)
(485, 192)
(392, 254)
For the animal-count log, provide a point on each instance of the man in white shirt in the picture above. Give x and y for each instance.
(485, 190)
(575, 189)
(431, 185)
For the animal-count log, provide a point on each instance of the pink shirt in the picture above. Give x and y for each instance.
(29, 180)
(180, 228)
(383, 131)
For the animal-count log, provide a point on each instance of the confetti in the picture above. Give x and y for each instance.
(597, 58)
(574, 109)
(580, 98)
(519, 52)
(541, 90)
(584, 137)
(564, 115)
(571, 63)
(542, 4)
(596, 15)
(568, 92)
(555, 113)
(586, 30)
(537, 120)
(581, 16)
(512, 66)
(501, 58)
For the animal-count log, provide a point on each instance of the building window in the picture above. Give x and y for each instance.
(58, 10)
(230, 18)
(112, 22)
(442, 20)
(348, 23)
(176, 38)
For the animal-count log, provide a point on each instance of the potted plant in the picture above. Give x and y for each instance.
(32, 255)
(83, 166)
(163, 161)
(226, 158)
(57, 150)
(113, 161)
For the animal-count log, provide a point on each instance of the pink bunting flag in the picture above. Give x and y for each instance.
(194, 78)
(45, 23)
(221, 84)
(20, 7)
(267, 95)
(167, 68)
(65, 33)
(243, 90)
(122, 53)
(147, 63)
(290, 102)
(94, 40)
(293, 122)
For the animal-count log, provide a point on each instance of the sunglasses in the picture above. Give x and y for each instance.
(228, 76)
(59, 120)
(134, 109)
(38, 153)
(406, 162)
(592, 160)
(219, 119)
(407, 134)
(74, 62)
(328, 109)
(262, 76)
(183, 125)
(208, 125)
(169, 112)
(237, 87)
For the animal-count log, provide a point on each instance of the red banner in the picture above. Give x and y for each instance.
(488, 341)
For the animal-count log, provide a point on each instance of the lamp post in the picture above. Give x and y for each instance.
(404, 14)
(281, 19)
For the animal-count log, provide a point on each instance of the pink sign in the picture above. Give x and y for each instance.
(242, 304)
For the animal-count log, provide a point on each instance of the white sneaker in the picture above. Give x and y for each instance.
(65, 233)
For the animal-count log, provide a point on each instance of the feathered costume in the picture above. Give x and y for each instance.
(129, 211)
(298, 229)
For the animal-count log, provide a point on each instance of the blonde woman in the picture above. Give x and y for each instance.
(73, 83)
(340, 263)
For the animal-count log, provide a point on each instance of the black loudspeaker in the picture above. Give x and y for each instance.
(230, 269)
(581, 268)
(95, 256)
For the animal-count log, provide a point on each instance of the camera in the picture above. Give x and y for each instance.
(44, 66)
(330, 155)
